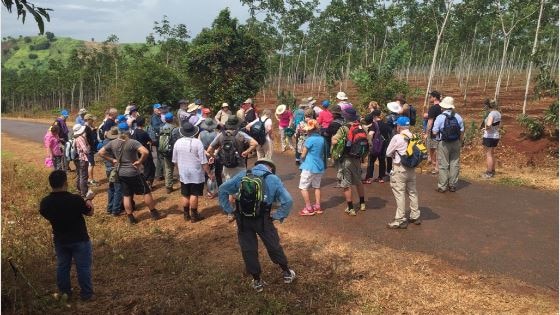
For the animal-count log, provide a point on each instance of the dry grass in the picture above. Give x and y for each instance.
(173, 267)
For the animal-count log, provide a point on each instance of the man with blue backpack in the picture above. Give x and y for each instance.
(448, 129)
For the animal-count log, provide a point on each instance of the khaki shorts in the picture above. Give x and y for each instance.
(310, 180)
(349, 172)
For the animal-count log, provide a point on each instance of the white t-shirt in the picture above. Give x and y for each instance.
(493, 132)
(188, 154)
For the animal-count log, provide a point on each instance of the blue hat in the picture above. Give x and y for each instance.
(326, 103)
(168, 117)
(403, 121)
(123, 126)
(121, 118)
(64, 113)
(157, 106)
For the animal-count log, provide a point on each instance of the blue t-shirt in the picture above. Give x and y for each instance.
(314, 160)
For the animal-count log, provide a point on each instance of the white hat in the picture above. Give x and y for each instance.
(248, 101)
(192, 107)
(341, 96)
(311, 100)
(394, 107)
(78, 129)
(447, 103)
(280, 109)
(225, 105)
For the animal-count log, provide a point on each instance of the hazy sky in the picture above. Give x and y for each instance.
(130, 20)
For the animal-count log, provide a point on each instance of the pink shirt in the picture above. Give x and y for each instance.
(325, 118)
(285, 119)
(51, 142)
(82, 147)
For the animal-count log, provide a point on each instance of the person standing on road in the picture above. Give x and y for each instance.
(285, 119)
(301, 133)
(155, 124)
(123, 153)
(429, 138)
(165, 149)
(80, 119)
(249, 227)
(207, 135)
(403, 179)
(395, 109)
(491, 136)
(313, 155)
(334, 125)
(65, 212)
(343, 101)
(265, 150)
(449, 130)
(63, 135)
(91, 136)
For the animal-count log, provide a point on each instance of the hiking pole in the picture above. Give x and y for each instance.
(17, 271)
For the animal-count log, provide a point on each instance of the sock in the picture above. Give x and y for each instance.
(350, 205)
(362, 200)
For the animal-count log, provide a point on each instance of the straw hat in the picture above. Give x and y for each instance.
(280, 109)
(113, 133)
(188, 129)
(447, 103)
(268, 162)
(192, 107)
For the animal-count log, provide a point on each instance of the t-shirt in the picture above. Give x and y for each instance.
(129, 155)
(65, 213)
(439, 123)
(314, 159)
(493, 132)
(325, 118)
(284, 119)
(107, 124)
(433, 112)
(384, 130)
(143, 137)
(250, 115)
(51, 142)
(206, 137)
(242, 140)
(189, 155)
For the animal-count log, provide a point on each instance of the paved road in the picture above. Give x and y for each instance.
(493, 229)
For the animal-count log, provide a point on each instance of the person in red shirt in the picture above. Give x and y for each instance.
(285, 119)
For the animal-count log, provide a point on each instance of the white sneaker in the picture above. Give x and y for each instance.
(289, 277)
(258, 285)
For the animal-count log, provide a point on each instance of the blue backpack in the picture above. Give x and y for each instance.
(299, 116)
(451, 130)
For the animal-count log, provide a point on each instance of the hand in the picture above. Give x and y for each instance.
(212, 176)
(89, 204)
(114, 161)
(244, 154)
(211, 160)
(137, 164)
(248, 128)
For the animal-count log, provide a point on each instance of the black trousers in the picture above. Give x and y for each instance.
(247, 231)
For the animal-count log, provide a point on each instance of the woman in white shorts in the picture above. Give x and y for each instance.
(313, 155)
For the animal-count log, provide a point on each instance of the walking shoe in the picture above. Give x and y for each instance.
(196, 217)
(487, 175)
(186, 216)
(132, 219)
(439, 190)
(347, 210)
(417, 221)
(317, 209)
(397, 225)
(92, 183)
(452, 188)
(258, 285)
(307, 212)
(435, 172)
(352, 212)
(289, 277)
(362, 206)
(156, 215)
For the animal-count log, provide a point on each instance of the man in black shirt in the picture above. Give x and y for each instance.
(143, 137)
(429, 138)
(65, 212)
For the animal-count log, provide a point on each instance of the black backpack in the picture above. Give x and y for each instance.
(451, 130)
(258, 131)
(412, 115)
(250, 199)
(230, 150)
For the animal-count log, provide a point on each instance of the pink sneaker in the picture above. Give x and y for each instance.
(317, 209)
(307, 212)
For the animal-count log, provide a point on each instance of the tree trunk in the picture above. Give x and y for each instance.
(533, 51)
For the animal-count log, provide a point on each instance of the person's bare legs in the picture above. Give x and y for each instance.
(305, 195)
(317, 196)
(490, 161)
(149, 201)
(127, 201)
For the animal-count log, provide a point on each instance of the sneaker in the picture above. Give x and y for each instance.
(487, 175)
(347, 210)
(452, 188)
(289, 277)
(132, 219)
(156, 215)
(352, 212)
(196, 217)
(439, 190)
(258, 285)
(417, 221)
(362, 206)
(307, 212)
(397, 225)
(317, 209)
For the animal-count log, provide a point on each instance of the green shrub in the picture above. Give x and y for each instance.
(533, 127)
(471, 133)
(551, 118)
(32, 56)
(40, 46)
(27, 39)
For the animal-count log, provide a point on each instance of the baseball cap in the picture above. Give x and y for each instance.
(168, 117)
(157, 106)
(121, 118)
(64, 113)
(403, 121)
(123, 126)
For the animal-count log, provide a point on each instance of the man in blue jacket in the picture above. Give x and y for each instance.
(248, 228)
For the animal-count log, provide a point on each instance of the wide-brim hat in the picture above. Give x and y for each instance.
(335, 109)
(447, 103)
(394, 107)
(280, 109)
(192, 107)
(311, 100)
(78, 129)
(341, 96)
(311, 124)
(248, 101)
(188, 129)
(89, 116)
(268, 162)
(232, 122)
(208, 124)
(113, 133)
(350, 114)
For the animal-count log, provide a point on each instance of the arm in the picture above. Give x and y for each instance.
(429, 127)
(143, 155)
(230, 187)
(285, 199)
(392, 147)
(303, 152)
(252, 146)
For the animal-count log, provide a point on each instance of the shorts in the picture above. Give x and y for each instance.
(192, 189)
(134, 185)
(229, 172)
(91, 158)
(490, 142)
(431, 143)
(310, 180)
(349, 172)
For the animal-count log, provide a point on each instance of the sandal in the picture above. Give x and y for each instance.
(307, 212)
(367, 181)
(380, 180)
(317, 209)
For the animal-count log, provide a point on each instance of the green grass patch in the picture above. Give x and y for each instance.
(512, 181)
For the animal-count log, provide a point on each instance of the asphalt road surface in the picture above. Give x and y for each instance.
(493, 229)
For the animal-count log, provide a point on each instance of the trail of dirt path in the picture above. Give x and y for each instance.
(507, 231)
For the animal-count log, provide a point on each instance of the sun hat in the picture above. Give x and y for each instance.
(168, 117)
(192, 107)
(113, 133)
(403, 121)
(311, 100)
(208, 124)
(128, 109)
(326, 103)
(182, 101)
(447, 103)
(311, 124)
(350, 114)
(82, 111)
(78, 129)
(188, 129)
(248, 101)
(225, 105)
(123, 127)
(341, 96)
(268, 162)
(64, 113)
(394, 107)
(280, 109)
(156, 106)
(232, 122)
(89, 116)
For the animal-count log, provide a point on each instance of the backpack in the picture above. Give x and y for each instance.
(258, 131)
(70, 150)
(250, 198)
(101, 132)
(357, 144)
(377, 141)
(337, 149)
(299, 116)
(412, 115)
(451, 130)
(164, 141)
(229, 154)
(415, 153)
(152, 134)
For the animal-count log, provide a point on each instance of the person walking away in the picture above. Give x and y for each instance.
(324, 119)
(264, 149)
(114, 191)
(449, 130)
(124, 153)
(403, 179)
(189, 155)
(349, 172)
(491, 136)
(207, 134)
(143, 137)
(166, 150)
(255, 217)
(385, 133)
(395, 109)
(429, 137)
(80, 118)
(375, 145)
(285, 119)
(54, 149)
(343, 101)
(155, 125)
(82, 149)
(91, 136)
(65, 212)
(313, 155)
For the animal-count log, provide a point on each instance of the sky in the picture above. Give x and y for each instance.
(130, 20)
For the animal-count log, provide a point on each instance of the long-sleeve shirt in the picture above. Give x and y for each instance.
(398, 144)
(82, 147)
(439, 123)
(274, 192)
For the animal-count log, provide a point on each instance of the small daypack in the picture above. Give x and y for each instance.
(258, 131)
(412, 115)
(230, 152)
(357, 145)
(164, 141)
(152, 134)
(70, 150)
(377, 141)
(415, 153)
(451, 130)
(250, 198)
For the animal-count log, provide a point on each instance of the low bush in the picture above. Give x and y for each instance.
(32, 56)
(533, 127)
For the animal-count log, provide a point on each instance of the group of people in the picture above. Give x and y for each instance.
(208, 150)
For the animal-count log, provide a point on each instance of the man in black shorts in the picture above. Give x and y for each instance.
(123, 153)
